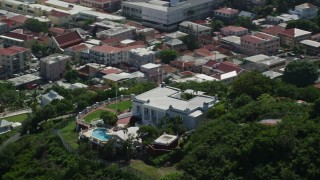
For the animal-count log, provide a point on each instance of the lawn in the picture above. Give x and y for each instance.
(70, 135)
(152, 171)
(94, 115)
(17, 118)
(122, 106)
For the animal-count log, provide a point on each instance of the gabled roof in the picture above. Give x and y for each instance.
(295, 32)
(306, 6)
(275, 30)
(57, 30)
(223, 67)
(79, 47)
(68, 39)
(18, 36)
(87, 70)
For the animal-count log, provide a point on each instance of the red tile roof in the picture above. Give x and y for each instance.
(79, 47)
(12, 50)
(58, 13)
(252, 39)
(203, 52)
(105, 49)
(223, 67)
(68, 39)
(19, 19)
(294, 32)
(264, 36)
(58, 31)
(227, 11)
(18, 36)
(186, 73)
(275, 30)
(111, 71)
(233, 28)
(111, 40)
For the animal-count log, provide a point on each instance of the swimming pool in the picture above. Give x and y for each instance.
(100, 134)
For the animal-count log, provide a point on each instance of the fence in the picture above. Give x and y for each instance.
(96, 105)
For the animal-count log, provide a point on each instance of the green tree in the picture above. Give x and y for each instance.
(35, 25)
(216, 25)
(191, 42)
(300, 73)
(303, 24)
(109, 118)
(167, 56)
(245, 22)
(253, 84)
(148, 133)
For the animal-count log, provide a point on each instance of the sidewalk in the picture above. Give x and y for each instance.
(14, 113)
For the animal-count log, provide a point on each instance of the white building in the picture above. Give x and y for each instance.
(163, 101)
(194, 28)
(166, 15)
(110, 55)
(305, 11)
(50, 96)
(267, 61)
(141, 56)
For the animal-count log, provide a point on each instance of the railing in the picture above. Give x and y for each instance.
(79, 120)
(122, 166)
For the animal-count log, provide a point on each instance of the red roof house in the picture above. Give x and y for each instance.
(66, 40)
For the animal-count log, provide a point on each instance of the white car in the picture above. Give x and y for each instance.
(296, 59)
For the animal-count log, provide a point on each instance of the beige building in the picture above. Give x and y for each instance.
(60, 18)
(13, 59)
(259, 43)
(53, 67)
(292, 37)
(153, 72)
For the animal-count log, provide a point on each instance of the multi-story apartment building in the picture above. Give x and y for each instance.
(17, 38)
(106, 5)
(109, 55)
(141, 56)
(109, 29)
(234, 31)
(259, 43)
(167, 15)
(226, 14)
(153, 72)
(311, 47)
(53, 67)
(13, 59)
(292, 37)
(305, 11)
(194, 28)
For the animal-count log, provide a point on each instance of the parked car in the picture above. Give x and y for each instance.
(296, 59)
(290, 54)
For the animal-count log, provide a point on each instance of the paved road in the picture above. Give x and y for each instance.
(10, 140)
(14, 113)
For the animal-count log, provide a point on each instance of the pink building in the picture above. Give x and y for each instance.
(234, 31)
(259, 43)
(226, 14)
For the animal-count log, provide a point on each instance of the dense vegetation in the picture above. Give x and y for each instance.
(43, 156)
(232, 144)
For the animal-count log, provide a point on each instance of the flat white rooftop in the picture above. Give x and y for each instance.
(150, 66)
(166, 97)
(165, 139)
